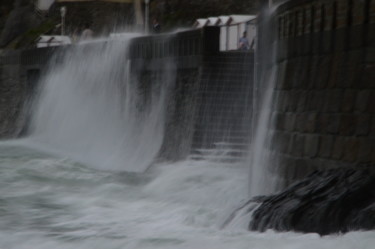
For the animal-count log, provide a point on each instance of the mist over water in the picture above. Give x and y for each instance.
(263, 173)
(79, 180)
(261, 180)
(48, 202)
(94, 110)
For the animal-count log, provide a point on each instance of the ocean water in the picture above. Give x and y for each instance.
(88, 175)
(48, 201)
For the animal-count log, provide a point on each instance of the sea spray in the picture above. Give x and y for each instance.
(263, 173)
(261, 179)
(94, 110)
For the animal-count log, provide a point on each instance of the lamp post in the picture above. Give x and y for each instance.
(147, 2)
(63, 13)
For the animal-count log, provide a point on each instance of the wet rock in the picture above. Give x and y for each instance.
(325, 202)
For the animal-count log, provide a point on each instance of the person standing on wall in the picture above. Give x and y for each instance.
(243, 43)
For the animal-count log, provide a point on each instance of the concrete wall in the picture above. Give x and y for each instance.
(225, 97)
(324, 111)
(19, 75)
(204, 80)
(212, 93)
(12, 89)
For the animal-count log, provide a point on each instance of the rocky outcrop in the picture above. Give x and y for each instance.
(326, 202)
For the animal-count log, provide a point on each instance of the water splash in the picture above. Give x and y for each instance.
(261, 181)
(262, 173)
(94, 110)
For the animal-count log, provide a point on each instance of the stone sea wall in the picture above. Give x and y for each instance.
(19, 74)
(208, 85)
(12, 94)
(324, 110)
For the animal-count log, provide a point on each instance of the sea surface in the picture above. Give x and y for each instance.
(48, 201)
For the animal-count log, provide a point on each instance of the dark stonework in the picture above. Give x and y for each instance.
(21, 19)
(325, 202)
(325, 87)
(212, 90)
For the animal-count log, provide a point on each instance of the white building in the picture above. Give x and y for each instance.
(231, 29)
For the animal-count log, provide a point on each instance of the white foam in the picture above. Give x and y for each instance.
(92, 110)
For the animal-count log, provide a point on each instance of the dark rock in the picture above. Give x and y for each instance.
(325, 202)
(21, 19)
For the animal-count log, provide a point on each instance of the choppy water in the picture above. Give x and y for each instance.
(66, 185)
(52, 202)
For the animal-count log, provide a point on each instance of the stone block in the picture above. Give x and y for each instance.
(299, 46)
(356, 36)
(283, 100)
(302, 168)
(351, 146)
(299, 73)
(307, 49)
(281, 71)
(316, 40)
(281, 104)
(346, 75)
(292, 48)
(325, 146)
(287, 168)
(314, 71)
(372, 155)
(338, 148)
(351, 69)
(293, 101)
(302, 101)
(333, 124)
(279, 121)
(333, 100)
(322, 77)
(348, 100)
(347, 124)
(282, 49)
(371, 103)
(284, 141)
(310, 122)
(317, 101)
(327, 123)
(363, 125)
(369, 55)
(362, 100)
(289, 75)
(290, 120)
(341, 40)
(368, 76)
(296, 146)
(370, 37)
(311, 146)
(365, 150)
(310, 101)
(326, 42)
(300, 122)
(372, 126)
(335, 68)
(271, 140)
